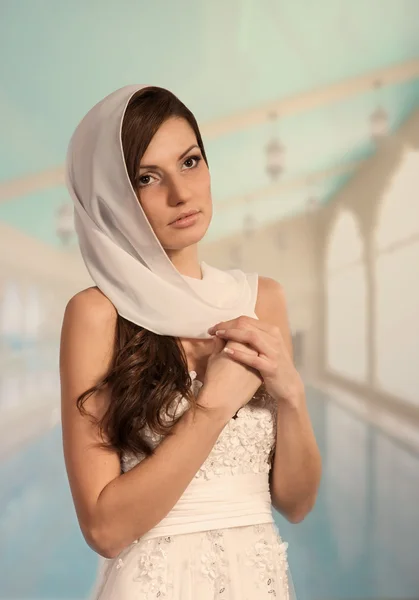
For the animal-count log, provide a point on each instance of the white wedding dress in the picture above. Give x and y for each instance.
(220, 540)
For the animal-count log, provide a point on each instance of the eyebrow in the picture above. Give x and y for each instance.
(180, 157)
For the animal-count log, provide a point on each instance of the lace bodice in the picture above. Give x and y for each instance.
(244, 446)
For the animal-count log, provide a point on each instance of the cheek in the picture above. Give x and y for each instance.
(154, 217)
(203, 184)
(149, 202)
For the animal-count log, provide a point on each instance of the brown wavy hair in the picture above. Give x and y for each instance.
(148, 372)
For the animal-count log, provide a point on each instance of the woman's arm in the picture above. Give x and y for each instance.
(296, 471)
(113, 509)
(133, 503)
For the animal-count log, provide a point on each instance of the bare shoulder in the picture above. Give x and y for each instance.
(271, 295)
(88, 335)
(91, 306)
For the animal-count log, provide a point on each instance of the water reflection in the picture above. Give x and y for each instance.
(359, 541)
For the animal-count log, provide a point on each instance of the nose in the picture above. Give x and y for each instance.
(178, 190)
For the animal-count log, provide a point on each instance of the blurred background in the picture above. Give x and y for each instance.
(310, 115)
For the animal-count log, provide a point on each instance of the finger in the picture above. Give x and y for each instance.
(244, 347)
(247, 322)
(218, 345)
(250, 360)
(246, 336)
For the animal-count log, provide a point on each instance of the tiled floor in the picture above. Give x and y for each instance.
(361, 540)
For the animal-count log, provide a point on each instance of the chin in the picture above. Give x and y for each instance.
(181, 238)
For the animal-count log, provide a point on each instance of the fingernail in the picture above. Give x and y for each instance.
(228, 350)
(220, 332)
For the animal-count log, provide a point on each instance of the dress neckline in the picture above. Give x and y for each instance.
(193, 376)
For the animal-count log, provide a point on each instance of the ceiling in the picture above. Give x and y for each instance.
(221, 58)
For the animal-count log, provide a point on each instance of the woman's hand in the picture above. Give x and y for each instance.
(273, 361)
(228, 385)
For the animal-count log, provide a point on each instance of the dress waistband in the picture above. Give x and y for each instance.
(219, 503)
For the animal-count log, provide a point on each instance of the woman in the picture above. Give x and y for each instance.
(174, 373)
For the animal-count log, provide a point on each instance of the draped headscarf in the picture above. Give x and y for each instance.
(120, 249)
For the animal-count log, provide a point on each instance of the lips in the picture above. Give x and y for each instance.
(186, 214)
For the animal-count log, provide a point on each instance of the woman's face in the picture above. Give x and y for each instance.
(173, 179)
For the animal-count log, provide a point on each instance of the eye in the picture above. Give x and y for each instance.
(145, 180)
(192, 161)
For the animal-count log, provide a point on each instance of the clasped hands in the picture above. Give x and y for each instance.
(274, 363)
